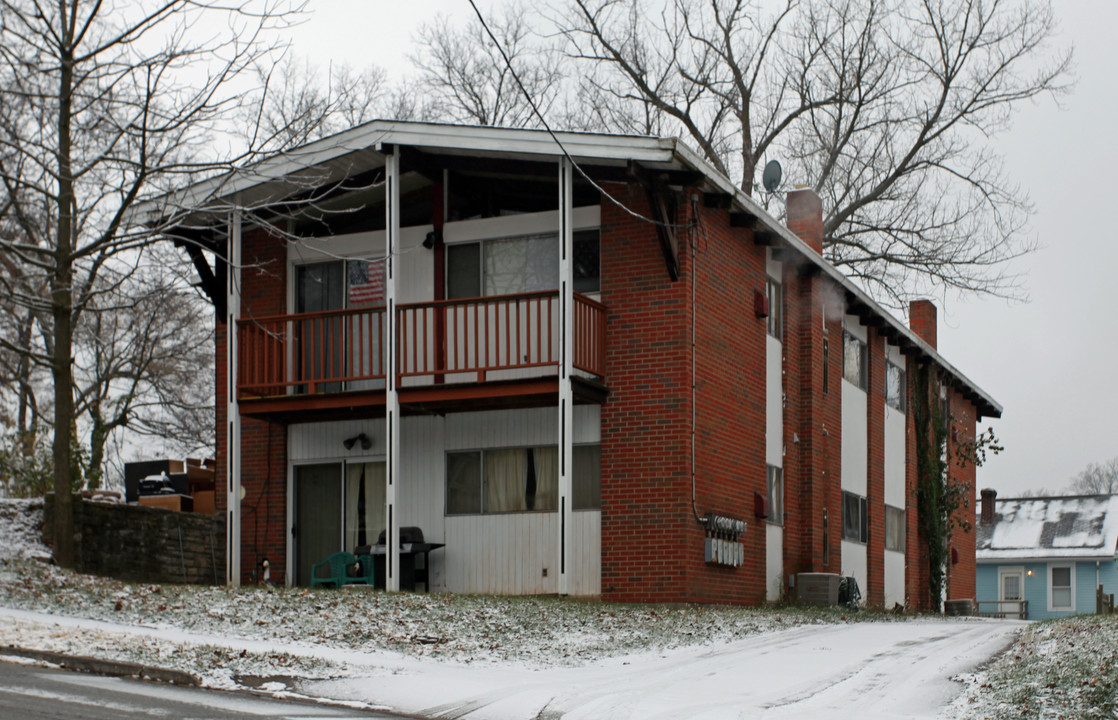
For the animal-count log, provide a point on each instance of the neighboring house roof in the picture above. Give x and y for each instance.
(280, 178)
(1084, 526)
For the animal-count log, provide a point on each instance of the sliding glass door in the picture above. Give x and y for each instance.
(338, 506)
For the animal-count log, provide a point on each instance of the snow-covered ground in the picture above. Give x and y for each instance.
(483, 657)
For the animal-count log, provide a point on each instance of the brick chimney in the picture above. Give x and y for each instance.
(988, 497)
(922, 320)
(805, 217)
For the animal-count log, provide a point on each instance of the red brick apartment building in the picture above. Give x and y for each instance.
(588, 367)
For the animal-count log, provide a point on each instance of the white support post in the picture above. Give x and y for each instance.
(232, 411)
(392, 403)
(566, 366)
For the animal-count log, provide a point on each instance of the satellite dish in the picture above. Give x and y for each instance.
(771, 177)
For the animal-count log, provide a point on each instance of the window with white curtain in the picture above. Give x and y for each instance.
(519, 480)
(775, 489)
(894, 528)
(895, 386)
(855, 361)
(530, 263)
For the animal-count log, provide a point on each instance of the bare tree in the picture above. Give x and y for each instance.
(101, 105)
(296, 103)
(467, 79)
(1097, 479)
(144, 359)
(884, 107)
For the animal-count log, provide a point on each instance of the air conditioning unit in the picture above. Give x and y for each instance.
(817, 588)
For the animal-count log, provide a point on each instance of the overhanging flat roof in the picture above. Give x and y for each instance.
(363, 148)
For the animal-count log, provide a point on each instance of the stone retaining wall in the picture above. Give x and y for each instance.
(143, 544)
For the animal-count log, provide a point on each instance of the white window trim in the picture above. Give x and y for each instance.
(1019, 571)
(1071, 579)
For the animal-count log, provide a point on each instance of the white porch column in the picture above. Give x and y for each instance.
(232, 411)
(566, 365)
(392, 404)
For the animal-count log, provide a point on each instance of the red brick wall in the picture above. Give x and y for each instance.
(875, 470)
(646, 512)
(652, 544)
(922, 320)
(961, 575)
(731, 403)
(916, 562)
(263, 445)
(805, 217)
(812, 424)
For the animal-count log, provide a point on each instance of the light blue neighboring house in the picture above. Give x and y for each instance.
(1044, 557)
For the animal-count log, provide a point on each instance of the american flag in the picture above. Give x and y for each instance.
(366, 282)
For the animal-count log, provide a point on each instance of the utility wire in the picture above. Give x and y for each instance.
(547, 127)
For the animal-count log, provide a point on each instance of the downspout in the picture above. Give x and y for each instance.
(694, 343)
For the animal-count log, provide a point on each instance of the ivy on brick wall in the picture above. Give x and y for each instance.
(935, 500)
(938, 496)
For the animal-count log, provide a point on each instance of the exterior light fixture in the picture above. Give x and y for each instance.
(366, 442)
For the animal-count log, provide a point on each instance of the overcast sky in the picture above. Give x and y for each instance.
(1050, 362)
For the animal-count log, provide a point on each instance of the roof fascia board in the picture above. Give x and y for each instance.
(589, 146)
(376, 134)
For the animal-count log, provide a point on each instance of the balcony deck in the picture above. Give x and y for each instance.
(452, 356)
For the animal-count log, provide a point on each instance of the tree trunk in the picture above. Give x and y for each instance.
(97, 438)
(62, 299)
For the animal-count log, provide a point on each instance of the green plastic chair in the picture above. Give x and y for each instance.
(338, 565)
(368, 570)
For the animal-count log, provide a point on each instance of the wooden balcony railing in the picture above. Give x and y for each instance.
(473, 340)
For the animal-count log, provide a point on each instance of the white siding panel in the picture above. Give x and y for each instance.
(459, 231)
(854, 434)
(894, 458)
(774, 403)
(894, 355)
(854, 563)
(492, 553)
(586, 565)
(502, 554)
(774, 562)
(519, 428)
(853, 325)
(894, 579)
(323, 441)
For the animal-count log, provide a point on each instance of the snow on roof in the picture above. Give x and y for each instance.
(1050, 527)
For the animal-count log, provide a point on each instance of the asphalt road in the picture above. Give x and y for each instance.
(31, 693)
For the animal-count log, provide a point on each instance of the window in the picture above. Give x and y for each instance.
(854, 365)
(895, 387)
(1011, 586)
(1061, 587)
(775, 490)
(894, 528)
(854, 521)
(587, 481)
(826, 366)
(775, 293)
(506, 266)
(463, 483)
(519, 480)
